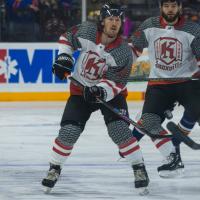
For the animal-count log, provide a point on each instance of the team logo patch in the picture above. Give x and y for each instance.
(168, 50)
(93, 66)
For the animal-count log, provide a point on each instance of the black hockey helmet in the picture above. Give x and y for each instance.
(109, 10)
(179, 2)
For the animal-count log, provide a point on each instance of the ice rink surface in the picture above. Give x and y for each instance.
(93, 171)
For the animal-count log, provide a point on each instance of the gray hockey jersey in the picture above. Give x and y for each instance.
(105, 66)
(174, 51)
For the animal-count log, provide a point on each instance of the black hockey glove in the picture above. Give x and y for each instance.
(90, 94)
(63, 66)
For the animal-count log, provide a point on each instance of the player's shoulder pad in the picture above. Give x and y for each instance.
(122, 54)
(87, 29)
(125, 46)
(192, 28)
(148, 23)
(88, 23)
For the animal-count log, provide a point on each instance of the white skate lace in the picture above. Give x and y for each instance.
(168, 160)
(139, 175)
(53, 175)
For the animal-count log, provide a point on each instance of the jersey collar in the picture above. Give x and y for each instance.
(179, 23)
(112, 45)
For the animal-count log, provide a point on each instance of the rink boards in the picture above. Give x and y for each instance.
(25, 74)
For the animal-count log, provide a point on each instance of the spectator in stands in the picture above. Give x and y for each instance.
(66, 3)
(2, 20)
(21, 16)
(52, 21)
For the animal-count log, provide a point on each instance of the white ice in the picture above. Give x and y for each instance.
(27, 130)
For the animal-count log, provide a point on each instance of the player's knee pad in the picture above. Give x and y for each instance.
(151, 122)
(69, 133)
(119, 131)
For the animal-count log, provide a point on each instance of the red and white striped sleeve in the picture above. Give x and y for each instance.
(65, 45)
(67, 42)
(112, 88)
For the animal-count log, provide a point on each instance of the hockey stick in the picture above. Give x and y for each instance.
(142, 78)
(119, 114)
(173, 128)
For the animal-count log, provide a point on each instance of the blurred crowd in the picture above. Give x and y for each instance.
(45, 20)
(37, 20)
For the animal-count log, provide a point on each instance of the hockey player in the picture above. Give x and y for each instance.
(103, 66)
(186, 125)
(174, 51)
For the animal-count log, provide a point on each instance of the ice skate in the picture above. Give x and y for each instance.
(52, 177)
(141, 179)
(173, 167)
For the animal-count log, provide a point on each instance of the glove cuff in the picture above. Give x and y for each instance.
(66, 57)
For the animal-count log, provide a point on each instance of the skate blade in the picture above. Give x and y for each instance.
(172, 174)
(47, 190)
(143, 191)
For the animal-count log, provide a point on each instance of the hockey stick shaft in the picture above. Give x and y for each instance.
(173, 128)
(140, 79)
(119, 114)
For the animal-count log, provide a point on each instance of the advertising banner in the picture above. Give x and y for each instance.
(26, 73)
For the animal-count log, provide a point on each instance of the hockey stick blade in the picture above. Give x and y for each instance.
(142, 78)
(173, 128)
(119, 114)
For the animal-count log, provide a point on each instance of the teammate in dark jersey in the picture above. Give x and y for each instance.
(174, 51)
(103, 67)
